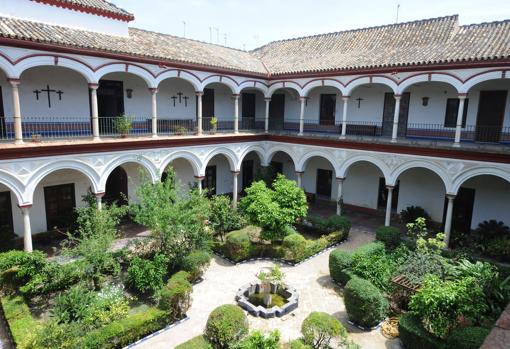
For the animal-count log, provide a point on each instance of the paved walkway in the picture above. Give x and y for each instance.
(317, 293)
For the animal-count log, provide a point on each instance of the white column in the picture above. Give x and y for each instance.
(18, 130)
(95, 116)
(236, 113)
(345, 99)
(299, 176)
(154, 111)
(460, 114)
(199, 183)
(302, 116)
(387, 218)
(199, 112)
(266, 119)
(234, 188)
(339, 196)
(27, 229)
(99, 200)
(395, 118)
(448, 219)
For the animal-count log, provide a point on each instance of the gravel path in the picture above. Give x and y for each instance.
(316, 291)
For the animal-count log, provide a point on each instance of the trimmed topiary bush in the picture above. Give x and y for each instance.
(390, 236)
(195, 264)
(225, 326)
(467, 338)
(294, 247)
(320, 328)
(237, 245)
(414, 336)
(175, 298)
(324, 226)
(339, 263)
(365, 304)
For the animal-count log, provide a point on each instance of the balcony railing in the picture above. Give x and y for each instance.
(469, 133)
(176, 126)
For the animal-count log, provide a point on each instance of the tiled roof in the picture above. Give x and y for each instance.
(97, 6)
(140, 43)
(432, 41)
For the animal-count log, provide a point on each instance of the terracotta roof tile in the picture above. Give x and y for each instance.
(101, 5)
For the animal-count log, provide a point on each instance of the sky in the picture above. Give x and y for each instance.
(247, 24)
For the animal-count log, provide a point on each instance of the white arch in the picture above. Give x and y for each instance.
(479, 171)
(15, 186)
(50, 61)
(193, 160)
(283, 84)
(75, 165)
(180, 74)
(433, 77)
(301, 167)
(130, 158)
(253, 148)
(220, 80)
(127, 68)
(367, 80)
(345, 166)
(491, 75)
(257, 85)
(323, 83)
(424, 164)
(271, 152)
(7, 68)
(229, 155)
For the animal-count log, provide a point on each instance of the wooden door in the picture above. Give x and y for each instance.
(491, 111)
(462, 210)
(277, 111)
(3, 131)
(208, 103)
(60, 202)
(247, 169)
(210, 180)
(117, 187)
(324, 182)
(248, 105)
(327, 109)
(389, 111)
(6, 226)
(110, 104)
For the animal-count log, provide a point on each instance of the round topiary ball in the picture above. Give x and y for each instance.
(320, 328)
(365, 304)
(226, 324)
(238, 245)
(339, 264)
(295, 247)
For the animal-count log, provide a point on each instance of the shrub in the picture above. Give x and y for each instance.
(467, 337)
(339, 264)
(499, 248)
(195, 264)
(222, 217)
(195, 343)
(440, 304)
(257, 340)
(23, 266)
(411, 213)
(298, 344)
(372, 263)
(53, 277)
(365, 304)
(418, 264)
(390, 236)
(371, 248)
(226, 325)
(146, 276)
(73, 305)
(237, 245)
(175, 298)
(414, 336)
(320, 328)
(295, 247)
(492, 229)
(334, 223)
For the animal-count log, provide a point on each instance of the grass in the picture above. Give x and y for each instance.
(195, 343)
(21, 322)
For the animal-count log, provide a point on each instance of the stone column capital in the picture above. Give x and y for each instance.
(153, 90)
(14, 81)
(267, 99)
(99, 194)
(451, 197)
(199, 93)
(25, 206)
(93, 86)
(340, 179)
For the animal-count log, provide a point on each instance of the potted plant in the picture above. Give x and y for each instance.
(36, 137)
(180, 130)
(214, 124)
(123, 125)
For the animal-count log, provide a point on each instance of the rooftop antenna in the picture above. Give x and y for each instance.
(398, 9)
(217, 34)
(244, 47)
(184, 28)
(210, 35)
(225, 37)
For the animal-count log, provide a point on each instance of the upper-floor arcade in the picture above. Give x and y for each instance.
(60, 96)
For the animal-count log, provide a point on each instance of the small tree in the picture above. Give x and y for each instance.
(223, 218)
(273, 209)
(320, 328)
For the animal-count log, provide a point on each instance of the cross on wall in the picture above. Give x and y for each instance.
(48, 93)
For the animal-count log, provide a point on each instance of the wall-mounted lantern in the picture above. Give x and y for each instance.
(129, 93)
(425, 101)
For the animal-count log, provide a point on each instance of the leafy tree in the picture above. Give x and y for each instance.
(257, 340)
(177, 220)
(273, 209)
(223, 218)
(320, 328)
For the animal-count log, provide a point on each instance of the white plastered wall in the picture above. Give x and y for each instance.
(224, 178)
(309, 178)
(361, 185)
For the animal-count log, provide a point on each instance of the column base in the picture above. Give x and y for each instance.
(456, 145)
(19, 141)
(393, 140)
(342, 137)
(96, 139)
(155, 136)
(300, 134)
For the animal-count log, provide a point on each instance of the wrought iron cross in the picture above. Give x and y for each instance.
(37, 94)
(186, 101)
(180, 96)
(59, 93)
(173, 98)
(359, 102)
(48, 92)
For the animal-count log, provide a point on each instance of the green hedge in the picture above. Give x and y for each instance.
(125, 331)
(370, 248)
(195, 264)
(175, 297)
(334, 223)
(365, 304)
(238, 245)
(294, 246)
(414, 336)
(390, 236)
(195, 343)
(339, 263)
(21, 323)
(467, 338)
